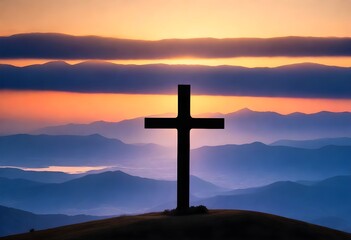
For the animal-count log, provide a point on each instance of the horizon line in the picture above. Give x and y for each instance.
(171, 38)
(107, 61)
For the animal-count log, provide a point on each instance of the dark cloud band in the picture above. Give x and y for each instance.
(301, 80)
(60, 46)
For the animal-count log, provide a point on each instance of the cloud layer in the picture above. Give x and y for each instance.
(301, 80)
(60, 46)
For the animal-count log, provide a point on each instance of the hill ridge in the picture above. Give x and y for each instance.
(218, 224)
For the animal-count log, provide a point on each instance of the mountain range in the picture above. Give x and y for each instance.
(298, 80)
(325, 202)
(243, 126)
(229, 166)
(314, 143)
(44, 150)
(255, 164)
(107, 193)
(15, 221)
(37, 176)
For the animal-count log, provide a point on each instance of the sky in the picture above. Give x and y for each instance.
(149, 22)
(159, 19)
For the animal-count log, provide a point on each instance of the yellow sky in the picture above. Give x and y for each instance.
(159, 19)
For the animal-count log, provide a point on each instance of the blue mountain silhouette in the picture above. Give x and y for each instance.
(241, 127)
(93, 150)
(105, 193)
(314, 143)
(255, 164)
(14, 221)
(318, 203)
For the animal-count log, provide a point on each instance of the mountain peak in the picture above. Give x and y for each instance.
(304, 65)
(96, 63)
(56, 64)
(244, 111)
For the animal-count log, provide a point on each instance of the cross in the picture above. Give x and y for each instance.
(184, 123)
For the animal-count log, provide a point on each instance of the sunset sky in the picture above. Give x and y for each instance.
(159, 19)
(154, 20)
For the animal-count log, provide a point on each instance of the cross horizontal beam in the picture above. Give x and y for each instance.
(208, 123)
(161, 123)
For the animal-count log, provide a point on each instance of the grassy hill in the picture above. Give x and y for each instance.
(218, 224)
(14, 221)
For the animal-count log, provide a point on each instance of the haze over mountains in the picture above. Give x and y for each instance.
(37, 176)
(68, 150)
(315, 143)
(243, 126)
(233, 166)
(249, 165)
(323, 202)
(105, 193)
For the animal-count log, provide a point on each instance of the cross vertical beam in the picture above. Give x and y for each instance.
(184, 123)
(183, 153)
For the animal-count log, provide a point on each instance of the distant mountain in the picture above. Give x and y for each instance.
(12, 190)
(131, 131)
(106, 193)
(94, 150)
(297, 80)
(201, 188)
(37, 176)
(218, 224)
(230, 166)
(243, 126)
(315, 143)
(15, 221)
(320, 203)
(257, 164)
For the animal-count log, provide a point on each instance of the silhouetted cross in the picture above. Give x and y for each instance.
(184, 123)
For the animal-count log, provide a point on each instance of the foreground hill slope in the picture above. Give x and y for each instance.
(14, 221)
(218, 224)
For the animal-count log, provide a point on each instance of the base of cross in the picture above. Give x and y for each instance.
(189, 211)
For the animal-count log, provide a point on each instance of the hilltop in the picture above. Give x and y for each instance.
(218, 224)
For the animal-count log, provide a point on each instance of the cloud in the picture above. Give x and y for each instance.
(60, 46)
(300, 80)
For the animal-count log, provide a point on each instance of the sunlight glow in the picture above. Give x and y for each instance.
(250, 62)
(62, 107)
(160, 19)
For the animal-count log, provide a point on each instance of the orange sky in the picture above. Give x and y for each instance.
(163, 19)
(160, 19)
(63, 107)
(239, 61)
